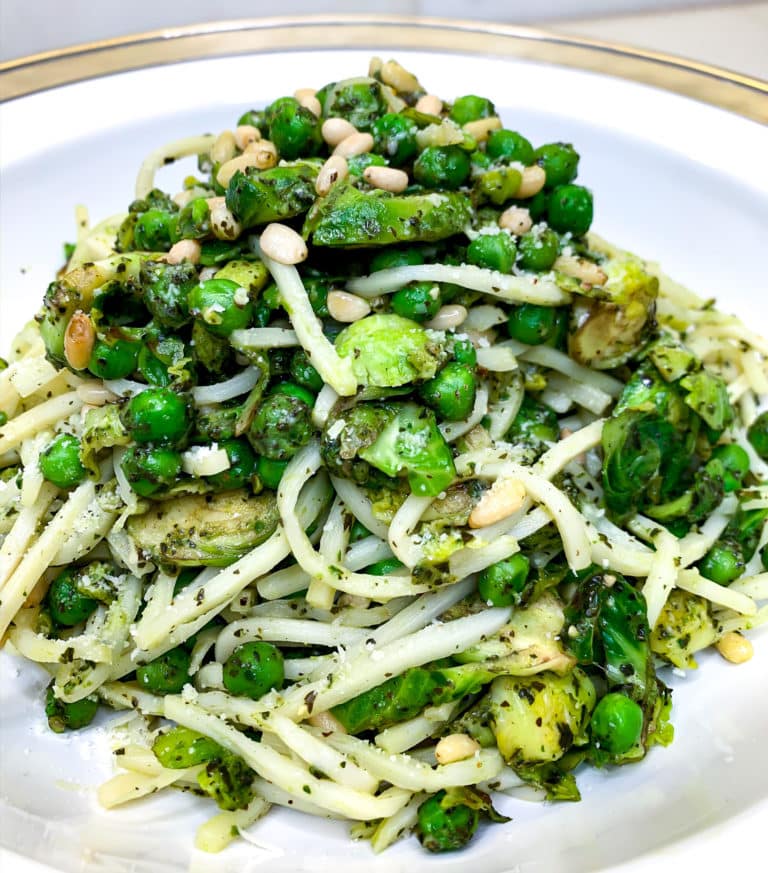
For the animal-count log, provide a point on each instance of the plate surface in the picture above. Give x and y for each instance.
(675, 180)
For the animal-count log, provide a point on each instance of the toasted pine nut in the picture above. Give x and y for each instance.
(516, 219)
(347, 307)
(334, 170)
(480, 129)
(532, 182)
(327, 722)
(224, 147)
(224, 224)
(386, 178)
(79, 338)
(503, 498)
(455, 747)
(336, 130)
(735, 648)
(245, 134)
(580, 268)
(283, 244)
(449, 316)
(265, 151)
(184, 250)
(311, 102)
(430, 104)
(183, 197)
(356, 144)
(398, 77)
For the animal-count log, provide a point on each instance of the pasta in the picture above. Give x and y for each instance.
(376, 519)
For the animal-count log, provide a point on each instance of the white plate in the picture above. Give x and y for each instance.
(675, 180)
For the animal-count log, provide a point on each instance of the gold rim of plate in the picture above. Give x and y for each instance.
(741, 94)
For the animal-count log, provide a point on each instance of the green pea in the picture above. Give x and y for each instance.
(503, 583)
(509, 145)
(479, 162)
(182, 747)
(292, 390)
(494, 251)
(570, 210)
(270, 472)
(538, 250)
(736, 463)
(758, 435)
(537, 205)
(358, 531)
(384, 567)
(253, 669)
(470, 107)
(167, 674)
(69, 716)
(764, 556)
(616, 724)
(67, 604)
(560, 161)
(3, 418)
(242, 465)
(464, 352)
(451, 393)
(157, 415)
(304, 373)
(723, 563)
(222, 305)
(394, 136)
(281, 426)
(60, 461)
(532, 324)
(390, 258)
(114, 360)
(418, 301)
(153, 231)
(442, 167)
(317, 291)
(445, 830)
(148, 469)
(294, 130)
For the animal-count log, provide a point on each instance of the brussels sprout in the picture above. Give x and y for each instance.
(340, 446)
(607, 332)
(165, 288)
(258, 197)
(388, 351)
(280, 427)
(360, 100)
(213, 530)
(538, 719)
(228, 780)
(684, 627)
(445, 830)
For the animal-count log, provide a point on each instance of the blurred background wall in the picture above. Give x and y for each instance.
(732, 34)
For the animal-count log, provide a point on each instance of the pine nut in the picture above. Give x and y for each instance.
(239, 164)
(503, 498)
(386, 178)
(245, 134)
(336, 130)
(580, 268)
(79, 338)
(184, 250)
(356, 144)
(480, 129)
(430, 104)
(283, 244)
(347, 307)
(448, 317)
(532, 182)
(327, 722)
(309, 101)
(735, 647)
(224, 224)
(224, 147)
(265, 151)
(94, 393)
(455, 747)
(215, 202)
(516, 219)
(302, 93)
(334, 170)
(398, 77)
